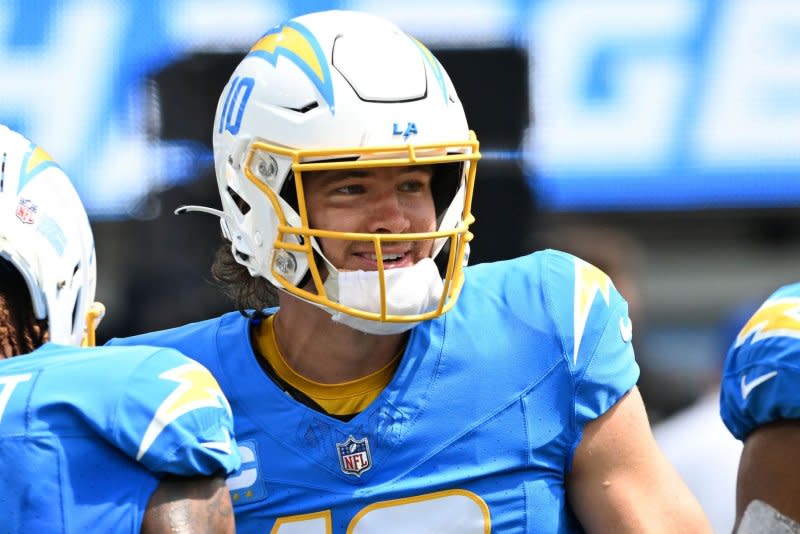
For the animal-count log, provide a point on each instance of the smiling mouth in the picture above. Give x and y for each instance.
(391, 260)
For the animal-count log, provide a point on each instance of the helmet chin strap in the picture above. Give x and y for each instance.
(409, 291)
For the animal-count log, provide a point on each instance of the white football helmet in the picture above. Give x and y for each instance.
(45, 235)
(338, 90)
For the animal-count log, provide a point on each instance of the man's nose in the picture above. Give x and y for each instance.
(388, 215)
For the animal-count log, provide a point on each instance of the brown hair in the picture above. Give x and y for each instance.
(248, 292)
(20, 331)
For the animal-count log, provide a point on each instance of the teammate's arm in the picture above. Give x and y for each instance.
(190, 505)
(621, 482)
(768, 470)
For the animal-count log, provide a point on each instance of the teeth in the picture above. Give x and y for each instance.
(386, 257)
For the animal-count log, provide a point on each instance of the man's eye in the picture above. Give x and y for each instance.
(412, 186)
(352, 189)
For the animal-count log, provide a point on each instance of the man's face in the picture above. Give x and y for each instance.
(386, 200)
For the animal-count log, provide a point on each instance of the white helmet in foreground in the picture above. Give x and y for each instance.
(342, 90)
(45, 235)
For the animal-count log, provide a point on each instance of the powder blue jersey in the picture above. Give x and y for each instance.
(85, 435)
(761, 378)
(474, 433)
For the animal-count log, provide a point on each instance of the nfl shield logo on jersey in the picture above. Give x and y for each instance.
(354, 456)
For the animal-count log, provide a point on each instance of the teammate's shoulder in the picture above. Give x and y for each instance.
(772, 332)
(105, 365)
(762, 367)
(133, 352)
(53, 356)
(178, 334)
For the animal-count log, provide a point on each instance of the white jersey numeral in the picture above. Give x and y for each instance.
(456, 511)
(7, 386)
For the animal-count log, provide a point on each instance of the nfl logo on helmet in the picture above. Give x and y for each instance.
(26, 211)
(354, 456)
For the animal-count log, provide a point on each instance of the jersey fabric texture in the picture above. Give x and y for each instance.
(86, 434)
(762, 369)
(475, 432)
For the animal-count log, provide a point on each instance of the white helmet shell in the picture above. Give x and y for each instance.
(330, 86)
(45, 235)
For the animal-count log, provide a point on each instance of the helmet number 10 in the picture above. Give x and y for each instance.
(235, 102)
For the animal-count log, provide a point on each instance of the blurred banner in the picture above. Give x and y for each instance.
(663, 104)
(666, 104)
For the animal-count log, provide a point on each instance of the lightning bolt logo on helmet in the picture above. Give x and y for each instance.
(436, 67)
(294, 42)
(197, 389)
(35, 161)
(775, 318)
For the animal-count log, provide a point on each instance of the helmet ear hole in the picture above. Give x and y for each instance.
(241, 203)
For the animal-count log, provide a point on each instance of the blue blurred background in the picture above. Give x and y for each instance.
(658, 139)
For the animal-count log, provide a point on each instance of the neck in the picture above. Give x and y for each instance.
(321, 350)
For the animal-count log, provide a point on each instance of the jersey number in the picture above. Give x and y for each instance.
(456, 511)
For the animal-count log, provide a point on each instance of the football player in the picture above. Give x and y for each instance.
(394, 389)
(760, 404)
(129, 439)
